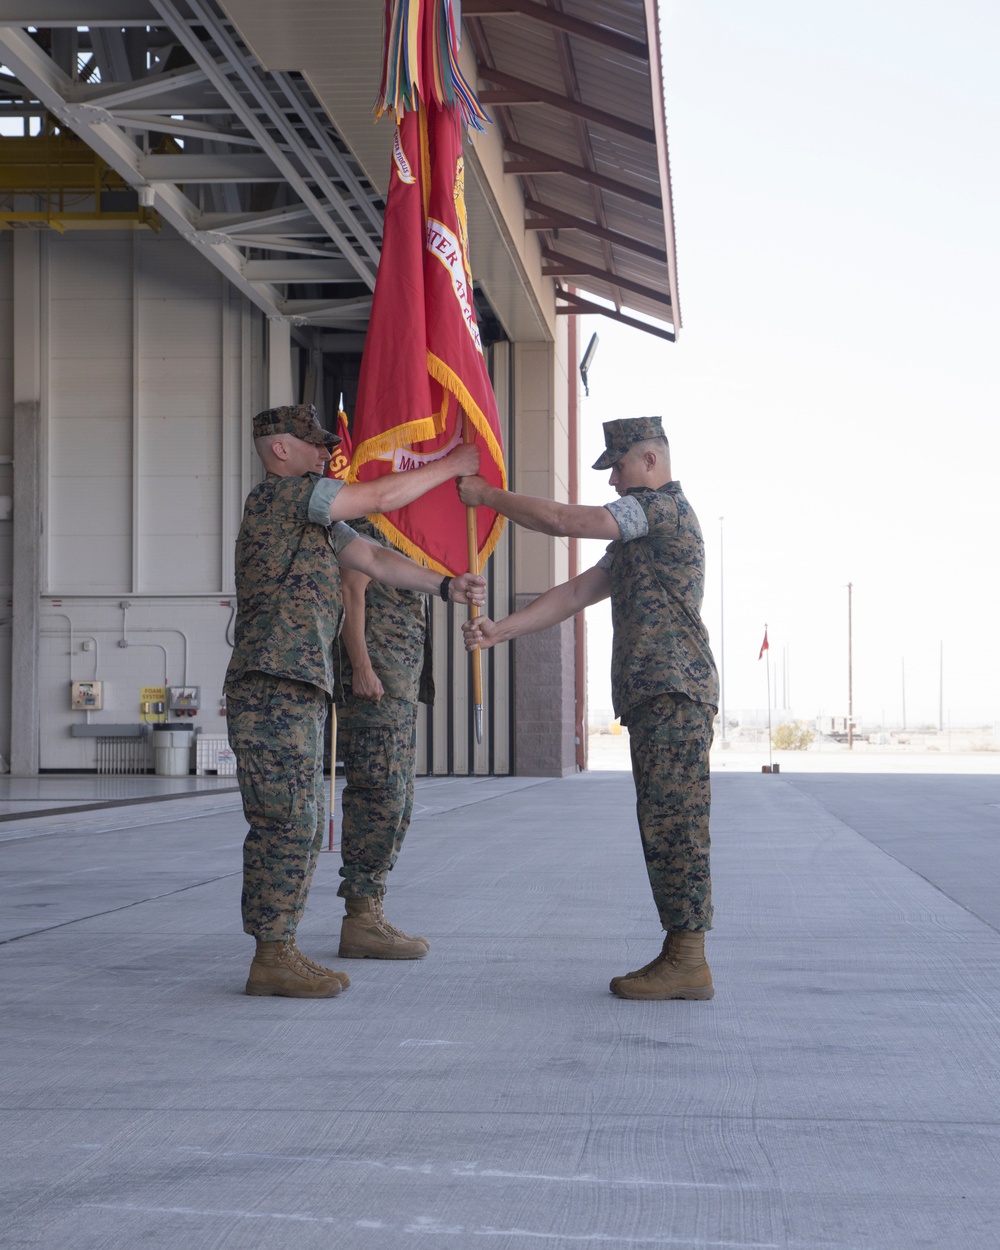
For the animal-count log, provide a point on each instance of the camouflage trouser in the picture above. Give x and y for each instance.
(670, 738)
(378, 744)
(276, 732)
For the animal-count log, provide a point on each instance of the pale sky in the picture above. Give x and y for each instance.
(833, 393)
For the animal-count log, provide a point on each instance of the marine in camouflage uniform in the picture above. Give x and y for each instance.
(281, 677)
(277, 688)
(663, 677)
(384, 672)
(665, 690)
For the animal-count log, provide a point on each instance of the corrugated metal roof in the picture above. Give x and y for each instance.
(576, 88)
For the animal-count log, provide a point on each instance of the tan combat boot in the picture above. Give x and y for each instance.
(680, 971)
(640, 972)
(342, 977)
(366, 934)
(278, 968)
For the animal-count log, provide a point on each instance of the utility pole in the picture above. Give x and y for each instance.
(722, 629)
(941, 688)
(850, 672)
(904, 691)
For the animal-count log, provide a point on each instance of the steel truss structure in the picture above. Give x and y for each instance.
(244, 164)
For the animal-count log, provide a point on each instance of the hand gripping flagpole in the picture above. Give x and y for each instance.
(475, 656)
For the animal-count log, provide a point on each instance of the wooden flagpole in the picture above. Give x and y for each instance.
(474, 656)
(333, 773)
(770, 758)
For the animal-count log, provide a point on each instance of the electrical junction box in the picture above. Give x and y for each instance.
(86, 696)
(183, 700)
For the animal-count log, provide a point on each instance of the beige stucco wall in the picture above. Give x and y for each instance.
(544, 677)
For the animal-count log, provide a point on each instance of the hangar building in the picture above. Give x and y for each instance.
(191, 198)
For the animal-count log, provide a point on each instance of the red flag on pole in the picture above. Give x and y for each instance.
(340, 461)
(339, 466)
(423, 363)
(764, 646)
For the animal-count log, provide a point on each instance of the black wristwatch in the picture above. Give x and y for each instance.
(443, 590)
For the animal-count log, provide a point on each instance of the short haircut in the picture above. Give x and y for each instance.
(660, 443)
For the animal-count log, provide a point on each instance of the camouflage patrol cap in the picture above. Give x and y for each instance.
(297, 419)
(620, 435)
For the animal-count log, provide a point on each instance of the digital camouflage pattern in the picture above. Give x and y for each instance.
(396, 636)
(665, 688)
(378, 744)
(297, 419)
(657, 585)
(287, 581)
(670, 738)
(276, 731)
(620, 435)
(288, 614)
(379, 740)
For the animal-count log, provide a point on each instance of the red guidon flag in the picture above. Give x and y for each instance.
(423, 365)
(764, 646)
(340, 461)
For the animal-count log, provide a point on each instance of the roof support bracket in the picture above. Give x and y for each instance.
(576, 307)
(562, 21)
(534, 162)
(529, 93)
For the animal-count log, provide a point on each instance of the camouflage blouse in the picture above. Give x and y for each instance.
(657, 571)
(396, 635)
(287, 582)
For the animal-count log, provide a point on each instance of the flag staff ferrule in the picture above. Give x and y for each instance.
(476, 657)
(330, 844)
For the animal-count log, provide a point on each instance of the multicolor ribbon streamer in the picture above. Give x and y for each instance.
(422, 42)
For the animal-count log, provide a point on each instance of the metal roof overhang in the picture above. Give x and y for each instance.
(288, 206)
(576, 86)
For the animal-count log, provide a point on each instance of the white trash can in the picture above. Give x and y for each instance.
(172, 752)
